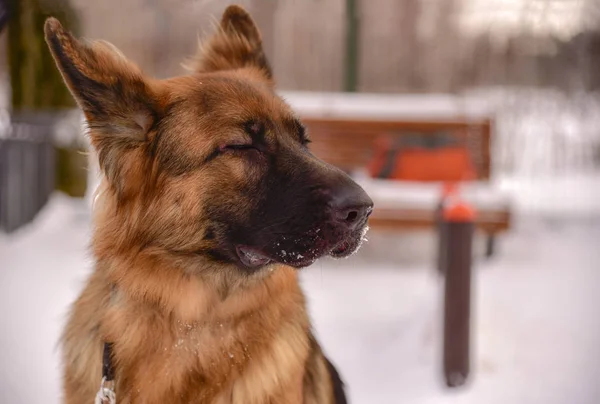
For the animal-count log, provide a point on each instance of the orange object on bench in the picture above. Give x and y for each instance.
(447, 164)
(395, 161)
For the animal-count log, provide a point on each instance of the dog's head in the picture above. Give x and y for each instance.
(214, 163)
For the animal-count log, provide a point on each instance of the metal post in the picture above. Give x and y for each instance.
(490, 245)
(448, 193)
(459, 218)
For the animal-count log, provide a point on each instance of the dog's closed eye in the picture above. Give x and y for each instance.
(256, 130)
(237, 147)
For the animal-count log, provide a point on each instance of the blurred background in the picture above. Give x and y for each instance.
(492, 106)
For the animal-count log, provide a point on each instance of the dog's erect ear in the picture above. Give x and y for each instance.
(236, 44)
(119, 104)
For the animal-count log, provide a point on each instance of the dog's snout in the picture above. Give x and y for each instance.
(350, 205)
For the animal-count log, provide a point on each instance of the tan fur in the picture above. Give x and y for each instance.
(247, 347)
(184, 329)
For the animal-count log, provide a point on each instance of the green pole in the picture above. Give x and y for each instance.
(351, 62)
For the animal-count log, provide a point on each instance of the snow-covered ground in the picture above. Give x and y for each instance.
(378, 314)
(536, 325)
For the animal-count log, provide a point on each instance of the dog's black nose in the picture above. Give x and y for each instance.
(350, 205)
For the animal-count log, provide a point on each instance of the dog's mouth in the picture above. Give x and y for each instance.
(253, 257)
(347, 247)
(350, 245)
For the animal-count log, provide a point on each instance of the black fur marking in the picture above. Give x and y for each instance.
(210, 234)
(86, 89)
(295, 127)
(339, 395)
(256, 130)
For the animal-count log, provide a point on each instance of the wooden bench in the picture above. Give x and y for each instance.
(345, 128)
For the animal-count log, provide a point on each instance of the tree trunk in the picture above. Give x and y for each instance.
(38, 91)
(36, 83)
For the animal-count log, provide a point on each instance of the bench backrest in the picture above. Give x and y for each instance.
(350, 143)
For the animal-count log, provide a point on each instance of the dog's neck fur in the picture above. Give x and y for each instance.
(166, 322)
(256, 337)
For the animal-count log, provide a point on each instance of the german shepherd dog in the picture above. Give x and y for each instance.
(210, 200)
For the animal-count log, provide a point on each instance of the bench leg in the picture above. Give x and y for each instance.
(490, 245)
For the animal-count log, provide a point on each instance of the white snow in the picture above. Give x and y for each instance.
(418, 195)
(537, 322)
(42, 268)
(384, 106)
(377, 314)
(562, 194)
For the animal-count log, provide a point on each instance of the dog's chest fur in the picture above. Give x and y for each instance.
(256, 356)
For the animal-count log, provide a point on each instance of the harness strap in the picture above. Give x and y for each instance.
(106, 394)
(108, 372)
